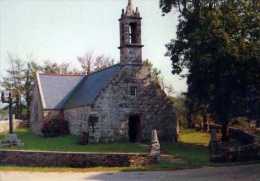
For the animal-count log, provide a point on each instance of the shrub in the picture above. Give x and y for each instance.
(55, 127)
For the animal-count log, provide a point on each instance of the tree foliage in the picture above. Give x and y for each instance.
(91, 63)
(157, 77)
(14, 81)
(218, 41)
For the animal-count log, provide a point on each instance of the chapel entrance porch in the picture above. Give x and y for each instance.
(134, 128)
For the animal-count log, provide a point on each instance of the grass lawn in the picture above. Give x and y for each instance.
(69, 144)
(192, 148)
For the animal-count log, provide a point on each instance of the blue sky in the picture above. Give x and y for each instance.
(61, 30)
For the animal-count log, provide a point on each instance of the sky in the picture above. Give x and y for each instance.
(61, 30)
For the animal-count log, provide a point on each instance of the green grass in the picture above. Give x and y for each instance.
(194, 137)
(192, 148)
(70, 144)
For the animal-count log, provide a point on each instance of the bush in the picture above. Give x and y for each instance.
(55, 127)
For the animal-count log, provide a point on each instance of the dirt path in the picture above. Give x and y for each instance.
(237, 173)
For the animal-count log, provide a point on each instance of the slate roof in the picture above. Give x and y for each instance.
(69, 91)
(90, 87)
(55, 89)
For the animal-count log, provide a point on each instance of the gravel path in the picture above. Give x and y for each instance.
(237, 173)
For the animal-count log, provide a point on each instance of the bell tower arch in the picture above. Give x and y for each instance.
(130, 35)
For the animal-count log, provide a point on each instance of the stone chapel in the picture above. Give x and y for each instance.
(118, 103)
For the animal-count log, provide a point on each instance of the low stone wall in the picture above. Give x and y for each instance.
(242, 136)
(224, 153)
(68, 159)
(242, 146)
(4, 125)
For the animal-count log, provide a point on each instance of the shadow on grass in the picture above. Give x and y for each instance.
(193, 155)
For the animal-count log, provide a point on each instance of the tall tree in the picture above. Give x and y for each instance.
(14, 81)
(30, 77)
(218, 42)
(157, 77)
(86, 62)
(91, 62)
(55, 68)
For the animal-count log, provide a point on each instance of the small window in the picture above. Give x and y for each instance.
(92, 121)
(133, 90)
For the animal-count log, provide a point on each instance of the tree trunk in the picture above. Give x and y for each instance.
(18, 108)
(28, 113)
(205, 123)
(190, 121)
(224, 130)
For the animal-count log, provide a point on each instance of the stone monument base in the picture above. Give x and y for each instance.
(155, 147)
(11, 140)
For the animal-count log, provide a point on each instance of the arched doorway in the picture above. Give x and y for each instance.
(134, 128)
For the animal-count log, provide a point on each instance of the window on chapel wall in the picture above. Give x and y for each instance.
(132, 33)
(92, 121)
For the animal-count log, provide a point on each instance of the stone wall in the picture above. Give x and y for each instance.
(64, 159)
(39, 115)
(242, 146)
(78, 119)
(115, 105)
(36, 118)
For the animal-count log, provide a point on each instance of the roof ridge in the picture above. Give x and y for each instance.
(79, 74)
(118, 64)
(63, 74)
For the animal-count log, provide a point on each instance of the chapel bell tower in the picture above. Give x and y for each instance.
(130, 36)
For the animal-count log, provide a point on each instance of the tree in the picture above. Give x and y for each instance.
(30, 77)
(14, 81)
(180, 109)
(157, 77)
(102, 62)
(90, 62)
(218, 42)
(52, 67)
(86, 62)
